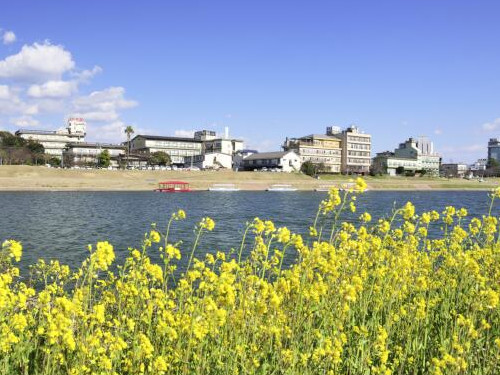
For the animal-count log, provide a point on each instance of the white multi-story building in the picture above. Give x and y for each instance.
(318, 149)
(347, 151)
(204, 150)
(178, 148)
(54, 142)
(356, 149)
(410, 157)
(84, 153)
(217, 152)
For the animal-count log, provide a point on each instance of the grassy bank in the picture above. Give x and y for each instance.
(26, 178)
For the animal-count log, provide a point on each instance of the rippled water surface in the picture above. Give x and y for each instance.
(61, 224)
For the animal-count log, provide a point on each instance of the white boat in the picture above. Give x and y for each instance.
(223, 187)
(347, 186)
(281, 187)
(324, 187)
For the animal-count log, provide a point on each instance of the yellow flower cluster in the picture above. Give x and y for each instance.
(13, 248)
(383, 298)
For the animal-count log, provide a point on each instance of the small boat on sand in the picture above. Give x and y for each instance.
(281, 187)
(173, 187)
(223, 187)
(324, 187)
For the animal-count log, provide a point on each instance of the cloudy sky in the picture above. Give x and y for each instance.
(265, 69)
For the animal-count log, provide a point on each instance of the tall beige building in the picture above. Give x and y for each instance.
(318, 149)
(356, 149)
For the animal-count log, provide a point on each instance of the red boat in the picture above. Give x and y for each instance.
(173, 187)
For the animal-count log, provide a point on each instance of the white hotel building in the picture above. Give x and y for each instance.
(176, 147)
(84, 153)
(204, 150)
(55, 142)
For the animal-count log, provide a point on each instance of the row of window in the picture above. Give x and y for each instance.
(197, 158)
(262, 162)
(395, 164)
(319, 151)
(358, 146)
(353, 138)
(174, 144)
(84, 151)
(358, 161)
(322, 160)
(177, 152)
(358, 153)
(51, 138)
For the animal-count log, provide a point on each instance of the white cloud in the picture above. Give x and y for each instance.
(53, 89)
(12, 104)
(184, 133)
(8, 37)
(492, 126)
(100, 116)
(438, 131)
(42, 78)
(31, 109)
(24, 121)
(37, 63)
(86, 75)
(110, 132)
(5, 93)
(103, 105)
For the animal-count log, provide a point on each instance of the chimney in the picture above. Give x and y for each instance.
(226, 132)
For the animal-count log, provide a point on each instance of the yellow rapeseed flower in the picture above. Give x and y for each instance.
(154, 236)
(207, 223)
(14, 248)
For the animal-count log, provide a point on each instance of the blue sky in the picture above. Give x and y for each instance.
(265, 69)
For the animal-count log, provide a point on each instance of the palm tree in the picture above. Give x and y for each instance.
(129, 130)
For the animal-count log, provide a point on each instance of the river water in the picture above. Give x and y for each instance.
(61, 224)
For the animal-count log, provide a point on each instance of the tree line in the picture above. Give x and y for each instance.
(17, 150)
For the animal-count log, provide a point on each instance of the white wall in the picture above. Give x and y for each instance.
(290, 162)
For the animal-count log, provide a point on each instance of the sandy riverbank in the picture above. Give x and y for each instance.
(26, 178)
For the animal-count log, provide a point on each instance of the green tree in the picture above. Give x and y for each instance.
(35, 147)
(129, 130)
(104, 159)
(308, 168)
(36, 150)
(54, 161)
(159, 158)
(11, 140)
(312, 169)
